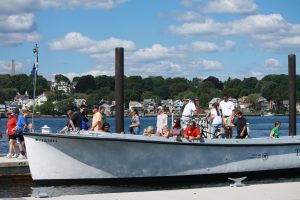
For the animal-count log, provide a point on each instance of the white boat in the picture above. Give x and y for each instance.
(89, 157)
(268, 114)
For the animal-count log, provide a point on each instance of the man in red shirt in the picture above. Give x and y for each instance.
(192, 132)
(11, 132)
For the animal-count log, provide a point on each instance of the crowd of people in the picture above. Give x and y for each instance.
(78, 121)
(222, 115)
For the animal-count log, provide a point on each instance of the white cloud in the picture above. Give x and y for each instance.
(17, 23)
(230, 6)
(272, 64)
(95, 4)
(249, 25)
(25, 6)
(12, 39)
(208, 65)
(187, 16)
(272, 31)
(18, 6)
(157, 51)
(258, 75)
(211, 47)
(77, 42)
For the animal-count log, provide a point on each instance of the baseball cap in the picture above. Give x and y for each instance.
(15, 111)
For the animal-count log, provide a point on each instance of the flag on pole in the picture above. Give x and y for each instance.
(34, 68)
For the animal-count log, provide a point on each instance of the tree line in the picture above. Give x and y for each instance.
(94, 89)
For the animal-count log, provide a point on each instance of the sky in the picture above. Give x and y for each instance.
(169, 38)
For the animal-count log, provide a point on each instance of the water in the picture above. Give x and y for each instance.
(259, 127)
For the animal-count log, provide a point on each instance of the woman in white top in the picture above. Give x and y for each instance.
(216, 118)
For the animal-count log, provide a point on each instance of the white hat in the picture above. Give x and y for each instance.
(159, 107)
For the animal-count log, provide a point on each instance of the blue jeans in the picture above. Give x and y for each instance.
(136, 130)
(214, 127)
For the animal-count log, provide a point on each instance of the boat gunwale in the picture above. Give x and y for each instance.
(202, 142)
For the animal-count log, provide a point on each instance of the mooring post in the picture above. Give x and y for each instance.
(292, 94)
(119, 88)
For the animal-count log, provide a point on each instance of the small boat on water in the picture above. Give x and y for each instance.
(90, 157)
(268, 114)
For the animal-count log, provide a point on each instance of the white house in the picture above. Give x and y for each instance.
(61, 86)
(19, 98)
(41, 99)
(178, 106)
(135, 105)
(27, 104)
(149, 105)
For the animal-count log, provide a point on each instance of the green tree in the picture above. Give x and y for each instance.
(85, 83)
(215, 81)
(59, 77)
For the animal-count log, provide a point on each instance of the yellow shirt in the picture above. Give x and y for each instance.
(97, 118)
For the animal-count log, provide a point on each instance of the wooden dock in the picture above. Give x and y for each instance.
(13, 167)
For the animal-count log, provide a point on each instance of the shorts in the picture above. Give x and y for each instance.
(227, 121)
(20, 137)
(12, 137)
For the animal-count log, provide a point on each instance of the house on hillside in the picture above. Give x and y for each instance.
(149, 105)
(136, 105)
(27, 104)
(167, 105)
(62, 86)
(41, 99)
(178, 106)
(19, 98)
(244, 105)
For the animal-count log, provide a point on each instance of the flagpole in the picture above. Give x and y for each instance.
(36, 61)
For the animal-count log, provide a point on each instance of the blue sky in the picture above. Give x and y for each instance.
(169, 38)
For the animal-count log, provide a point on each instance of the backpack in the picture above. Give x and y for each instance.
(84, 125)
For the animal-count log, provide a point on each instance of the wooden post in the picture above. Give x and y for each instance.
(292, 94)
(119, 88)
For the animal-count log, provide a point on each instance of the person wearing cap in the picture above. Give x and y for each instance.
(21, 127)
(11, 133)
(79, 118)
(161, 121)
(97, 122)
(192, 132)
(188, 112)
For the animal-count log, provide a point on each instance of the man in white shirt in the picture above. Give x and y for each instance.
(162, 120)
(188, 111)
(227, 111)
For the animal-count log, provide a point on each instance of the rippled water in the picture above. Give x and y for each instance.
(259, 127)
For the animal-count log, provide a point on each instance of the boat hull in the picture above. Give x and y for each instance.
(73, 158)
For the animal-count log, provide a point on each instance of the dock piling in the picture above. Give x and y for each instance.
(292, 94)
(119, 88)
